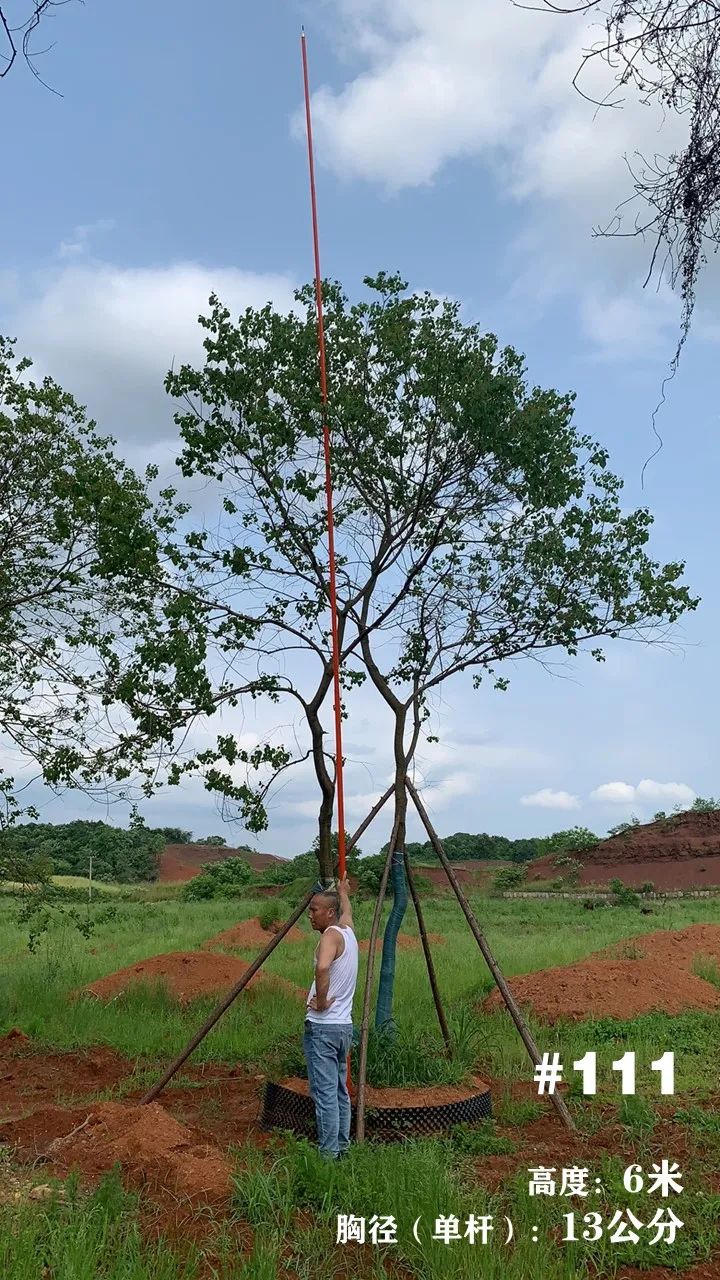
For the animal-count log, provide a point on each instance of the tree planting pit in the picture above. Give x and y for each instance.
(391, 1115)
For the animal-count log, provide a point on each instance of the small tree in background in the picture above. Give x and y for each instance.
(574, 840)
(227, 879)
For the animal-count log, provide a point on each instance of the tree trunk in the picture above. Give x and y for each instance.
(386, 987)
(325, 851)
(327, 786)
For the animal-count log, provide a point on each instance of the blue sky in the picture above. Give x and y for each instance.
(451, 147)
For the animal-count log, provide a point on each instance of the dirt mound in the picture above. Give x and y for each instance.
(184, 861)
(406, 942)
(226, 1108)
(435, 1095)
(28, 1078)
(153, 1149)
(15, 1039)
(640, 975)
(680, 852)
(187, 975)
(671, 947)
(249, 934)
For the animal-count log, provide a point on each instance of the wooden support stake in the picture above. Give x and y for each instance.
(507, 995)
(217, 1013)
(428, 957)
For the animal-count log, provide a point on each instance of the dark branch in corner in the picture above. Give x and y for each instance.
(16, 41)
(668, 51)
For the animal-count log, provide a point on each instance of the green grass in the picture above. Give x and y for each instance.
(83, 1237)
(83, 882)
(706, 967)
(288, 1192)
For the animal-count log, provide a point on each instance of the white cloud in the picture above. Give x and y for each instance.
(614, 793)
(669, 792)
(446, 772)
(78, 243)
(549, 799)
(646, 793)
(109, 335)
(623, 326)
(447, 80)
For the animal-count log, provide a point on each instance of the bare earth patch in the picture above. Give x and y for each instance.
(651, 972)
(187, 975)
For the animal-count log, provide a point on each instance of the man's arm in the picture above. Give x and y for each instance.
(327, 952)
(346, 919)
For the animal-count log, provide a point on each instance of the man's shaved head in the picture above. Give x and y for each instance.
(324, 909)
(331, 898)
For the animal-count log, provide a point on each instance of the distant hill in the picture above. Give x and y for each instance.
(681, 851)
(183, 861)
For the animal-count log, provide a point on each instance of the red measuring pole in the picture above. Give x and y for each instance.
(328, 474)
(328, 482)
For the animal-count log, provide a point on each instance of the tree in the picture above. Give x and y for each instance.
(101, 665)
(227, 879)
(669, 52)
(176, 835)
(463, 847)
(18, 34)
(68, 848)
(475, 524)
(305, 865)
(574, 840)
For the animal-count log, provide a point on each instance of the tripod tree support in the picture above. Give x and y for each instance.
(428, 956)
(277, 938)
(232, 995)
(507, 995)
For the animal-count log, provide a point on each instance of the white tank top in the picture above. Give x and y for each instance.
(343, 979)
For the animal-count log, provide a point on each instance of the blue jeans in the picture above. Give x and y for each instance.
(326, 1046)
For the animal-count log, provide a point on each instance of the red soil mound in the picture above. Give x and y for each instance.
(249, 934)
(406, 942)
(640, 975)
(153, 1149)
(226, 1108)
(436, 1095)
(183, 861)
(15, 1039)
(682, 852)
(187, 975)
(28, 1078)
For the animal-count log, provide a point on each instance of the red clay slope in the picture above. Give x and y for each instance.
(653, 971)
(183, 861)
(187, 975)
(682, 852)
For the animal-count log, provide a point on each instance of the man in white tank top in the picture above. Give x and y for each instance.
(328, 1021)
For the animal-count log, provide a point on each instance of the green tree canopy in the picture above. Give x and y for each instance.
(102, 663)
(475, 523)
(122, 855)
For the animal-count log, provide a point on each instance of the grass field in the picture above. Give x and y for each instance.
(287, 1195)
